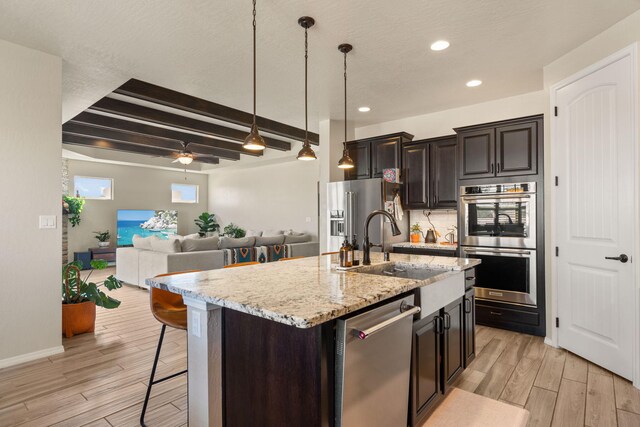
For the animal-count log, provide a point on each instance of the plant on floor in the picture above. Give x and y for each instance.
(76, 290)
(207, 223)
(72, 206)
(233, 230)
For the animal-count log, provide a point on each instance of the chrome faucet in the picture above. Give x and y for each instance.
(366, 246)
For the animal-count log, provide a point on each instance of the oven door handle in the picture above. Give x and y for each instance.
(515, 197)
(504, 253)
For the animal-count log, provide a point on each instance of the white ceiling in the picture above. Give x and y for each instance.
(204, 48)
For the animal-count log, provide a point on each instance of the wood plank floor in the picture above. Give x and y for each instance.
(101, 379)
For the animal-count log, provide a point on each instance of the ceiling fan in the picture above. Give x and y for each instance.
(185, 156)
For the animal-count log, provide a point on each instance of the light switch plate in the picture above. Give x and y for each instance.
(47, 221)
(308, 219)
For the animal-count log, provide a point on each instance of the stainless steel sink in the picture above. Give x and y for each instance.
(404, 271)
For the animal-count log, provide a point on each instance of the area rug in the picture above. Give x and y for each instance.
(461, 408)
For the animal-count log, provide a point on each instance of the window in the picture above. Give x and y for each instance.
(184, 193)
(93, 188)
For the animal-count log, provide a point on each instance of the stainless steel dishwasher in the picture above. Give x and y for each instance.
(373, 364)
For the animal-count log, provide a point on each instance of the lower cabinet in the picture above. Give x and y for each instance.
(437, 359)
(469, 328)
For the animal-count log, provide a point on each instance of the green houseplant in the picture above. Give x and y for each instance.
(207, 224)
(233, 230)
(72, 206)
(103, 238)
(80, 297)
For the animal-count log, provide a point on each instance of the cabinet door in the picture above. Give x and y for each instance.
(416, 176)
(444, 179)
(360, 152)
(384, 155)
(425, 377)
(517, 149)
(469, 326)
(453, 351)
(476, 153)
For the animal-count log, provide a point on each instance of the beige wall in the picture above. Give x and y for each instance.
(282, 196)
(30, 141)
(135, 187)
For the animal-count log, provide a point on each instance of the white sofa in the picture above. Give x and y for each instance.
(134, 265)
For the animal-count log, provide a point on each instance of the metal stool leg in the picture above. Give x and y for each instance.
(153, 374)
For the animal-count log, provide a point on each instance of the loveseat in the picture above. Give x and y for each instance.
(152, 256)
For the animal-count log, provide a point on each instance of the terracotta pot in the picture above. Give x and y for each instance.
(78, 318)
(415, 238)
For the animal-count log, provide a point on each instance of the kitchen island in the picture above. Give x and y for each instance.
(261, 339)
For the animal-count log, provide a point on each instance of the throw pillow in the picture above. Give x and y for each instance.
(297, 239)
(169, 246)
(271, 233)
(142, 242)
(293, 233)
(192, 236)
(200, 244)
(253, 233)
(243, 242)
(271, 240)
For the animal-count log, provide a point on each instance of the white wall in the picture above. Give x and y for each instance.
(134, 187)
(281, 196)
(30, 142)
(442, 123)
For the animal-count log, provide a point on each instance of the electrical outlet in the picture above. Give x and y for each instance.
(195, 324)
(308, 219)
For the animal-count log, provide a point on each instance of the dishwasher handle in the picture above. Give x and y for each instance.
(406, 310)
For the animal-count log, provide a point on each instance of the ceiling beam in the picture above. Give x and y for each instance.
(144, 129)
(143, 140)
(171, 98)
(139, 112)
(87, 141)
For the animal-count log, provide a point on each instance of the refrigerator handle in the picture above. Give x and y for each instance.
(350, 202)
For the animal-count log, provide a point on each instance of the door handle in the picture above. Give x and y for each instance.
(438, 325)
(467, 305)
(407, 310)
(491, 167)
(447, 321)
(622, 258)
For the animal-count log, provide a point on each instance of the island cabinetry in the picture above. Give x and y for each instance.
(469, 327)
(437, 358)
(373, 155)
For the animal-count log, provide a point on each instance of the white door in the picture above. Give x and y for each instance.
(594, 160)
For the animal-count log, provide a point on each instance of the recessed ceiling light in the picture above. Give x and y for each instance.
(440, 45)
(364, 109)
(474, 83)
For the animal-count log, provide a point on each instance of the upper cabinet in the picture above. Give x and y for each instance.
(373, 155)
(429, 176)
(508, 148)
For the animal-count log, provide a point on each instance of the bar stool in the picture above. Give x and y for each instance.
(329, 253)
(241, 264)
(168, 309)
(293, 257)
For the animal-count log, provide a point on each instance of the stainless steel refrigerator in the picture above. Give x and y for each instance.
(348, 205)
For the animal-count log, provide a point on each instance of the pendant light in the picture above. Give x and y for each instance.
(306, 153)
(346, 162)
(254, 141)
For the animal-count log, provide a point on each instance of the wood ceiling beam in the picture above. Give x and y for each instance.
(171, 98)
(143, 140)
(87, 141)
(139, 112)
(144, 129)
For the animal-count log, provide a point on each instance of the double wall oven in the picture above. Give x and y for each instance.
(498, 226)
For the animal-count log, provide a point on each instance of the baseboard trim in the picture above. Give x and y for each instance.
(549, 341)
(23, 358)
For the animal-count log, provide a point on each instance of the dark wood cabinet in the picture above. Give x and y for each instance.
(444, 179)
(469, 327)
(425, 379)
(453, 354)
(426, 251)
(500, 149)
(429, 170)
(373, 155)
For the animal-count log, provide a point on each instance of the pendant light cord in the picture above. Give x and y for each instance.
(254, 62)
(345, 100)
(306, 114)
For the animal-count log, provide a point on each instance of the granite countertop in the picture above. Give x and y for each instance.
(422, 245)
(304, 292)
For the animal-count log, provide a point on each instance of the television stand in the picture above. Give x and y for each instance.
(108, 254)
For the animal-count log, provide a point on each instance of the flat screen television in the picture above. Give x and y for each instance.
(145, 223)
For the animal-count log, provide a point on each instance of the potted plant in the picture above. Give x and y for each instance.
(207, 224)
(72, 206)
(80, 297)
(233, 230)
(416, 233)
(103, 238)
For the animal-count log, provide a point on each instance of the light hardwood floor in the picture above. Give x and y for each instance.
(101, 379)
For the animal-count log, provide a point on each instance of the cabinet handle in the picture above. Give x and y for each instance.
(498, 168)
(439, 328)
(470, 278)
(447, 321)
(495, 313)
(491, 167)
(467, 305)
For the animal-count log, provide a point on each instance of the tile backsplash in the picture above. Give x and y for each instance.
(443, 220)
